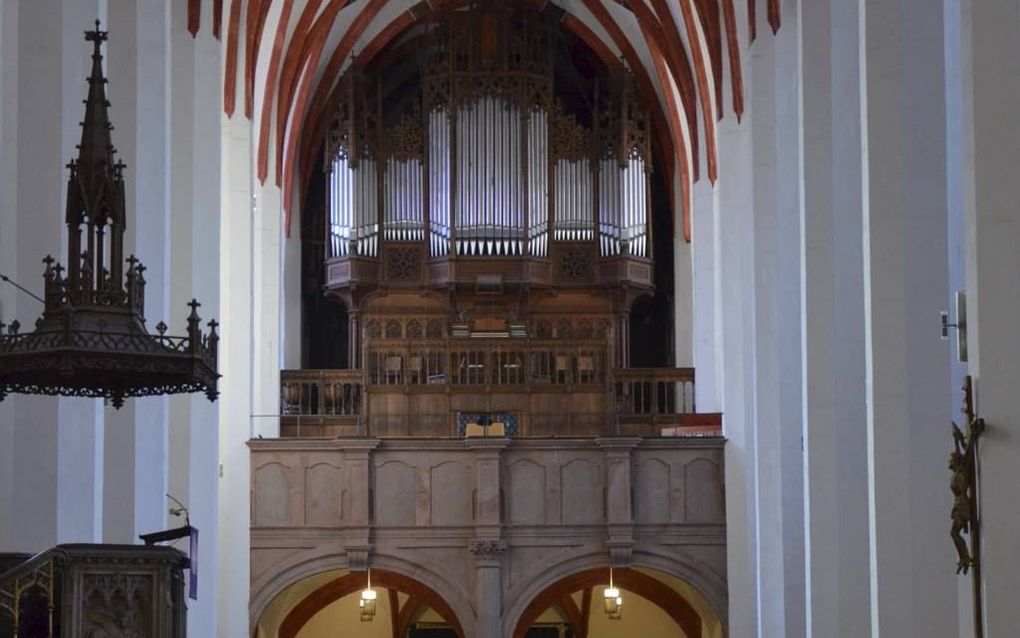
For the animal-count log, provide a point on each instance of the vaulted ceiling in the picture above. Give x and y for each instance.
(284, 59)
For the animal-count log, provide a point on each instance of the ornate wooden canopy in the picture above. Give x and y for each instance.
(91, 339)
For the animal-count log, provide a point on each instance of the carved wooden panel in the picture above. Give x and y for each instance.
(404, 264)
(117, 605)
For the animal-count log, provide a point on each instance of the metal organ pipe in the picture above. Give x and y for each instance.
(538, 182)
(404, 216)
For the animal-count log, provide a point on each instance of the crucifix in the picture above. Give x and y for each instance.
(963, 463)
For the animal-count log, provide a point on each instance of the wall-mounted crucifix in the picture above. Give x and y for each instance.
(963, 463)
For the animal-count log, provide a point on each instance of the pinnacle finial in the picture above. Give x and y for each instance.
(96, 36)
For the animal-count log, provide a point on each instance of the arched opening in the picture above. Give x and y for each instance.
(654, 605)
(328, 604)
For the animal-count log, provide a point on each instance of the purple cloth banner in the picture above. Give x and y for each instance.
(193, 570)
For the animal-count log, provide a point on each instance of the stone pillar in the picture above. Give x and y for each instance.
(735, 320)
(357, 506)
(488, 556)
(833, 358)
(777, 331)
(56, 445)
(705, 292)
(991, 29)
(488, 547)
(905, 287)
(619, 498)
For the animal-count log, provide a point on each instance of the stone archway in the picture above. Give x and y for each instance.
(640, 583)
(418, 594)
(698, 589)
(433, 590)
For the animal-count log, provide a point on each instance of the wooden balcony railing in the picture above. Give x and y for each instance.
(423, 402)
(654, 391)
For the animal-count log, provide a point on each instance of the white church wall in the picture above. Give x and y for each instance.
(905, 258)
(196, 104)
(58, 443)
(137, 436)
(992, 66)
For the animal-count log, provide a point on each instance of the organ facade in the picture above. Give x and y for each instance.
(488, 229)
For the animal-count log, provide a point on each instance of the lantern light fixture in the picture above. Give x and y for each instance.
(612, 599)
(368, 600)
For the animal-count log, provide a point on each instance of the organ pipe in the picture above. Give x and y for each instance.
(491, 161)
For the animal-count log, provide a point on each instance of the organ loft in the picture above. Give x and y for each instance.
(483, 239)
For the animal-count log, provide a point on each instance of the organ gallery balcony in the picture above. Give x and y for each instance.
(538, 391)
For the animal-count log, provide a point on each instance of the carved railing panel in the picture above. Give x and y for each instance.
(553, 388)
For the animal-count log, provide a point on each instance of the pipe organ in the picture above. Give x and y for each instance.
(488, 162)
(489, 218)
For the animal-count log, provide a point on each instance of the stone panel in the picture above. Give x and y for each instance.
(526, 493)
(323, 488)
(272, 500)
(452, 489)
(703, 486)
(394, 493)
(582, 489)
(651, 491)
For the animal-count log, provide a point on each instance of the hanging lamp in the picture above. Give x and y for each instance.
(612, 599)
(368, 599)
(91, 339)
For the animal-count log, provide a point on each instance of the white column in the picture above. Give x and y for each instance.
(913, 585)
(137, 438)
(8, 234)
(736, 315)
(993, 269)
(196, 106)
(959, 192)
(57, 443)
(291, 309)
(777, 330)
(835, 445)
(704, 291)
(684, 330)
(239, 280)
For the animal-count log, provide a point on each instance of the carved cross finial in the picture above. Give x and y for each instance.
(97, 36)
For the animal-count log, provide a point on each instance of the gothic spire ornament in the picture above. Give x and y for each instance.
(91, 339)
